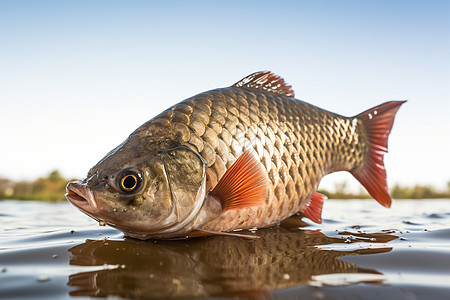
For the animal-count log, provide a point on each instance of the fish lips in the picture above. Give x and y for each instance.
(80, 195)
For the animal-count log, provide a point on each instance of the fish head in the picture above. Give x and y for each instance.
(146, 193)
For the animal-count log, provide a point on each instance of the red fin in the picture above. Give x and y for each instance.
(377, 123)
(244, 184)
(313, 208)
(266, 81)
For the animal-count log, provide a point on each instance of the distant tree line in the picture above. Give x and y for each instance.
(50, 188)
(53, 187)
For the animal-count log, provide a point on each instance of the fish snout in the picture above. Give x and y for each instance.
(81, 195)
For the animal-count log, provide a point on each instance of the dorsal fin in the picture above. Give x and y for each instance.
(266, 81)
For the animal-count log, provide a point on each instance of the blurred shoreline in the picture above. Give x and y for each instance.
(53, 187)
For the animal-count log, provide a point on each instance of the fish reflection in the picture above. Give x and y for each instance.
(216, 266)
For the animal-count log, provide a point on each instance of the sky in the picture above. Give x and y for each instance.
(77, 77)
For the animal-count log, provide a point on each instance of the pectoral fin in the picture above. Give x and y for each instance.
(244, 184)
(239, 235)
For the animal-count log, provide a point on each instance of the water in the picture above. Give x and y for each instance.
(361, 251)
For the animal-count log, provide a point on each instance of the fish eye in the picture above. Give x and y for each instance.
(129, 180)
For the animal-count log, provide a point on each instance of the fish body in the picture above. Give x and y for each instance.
(241, 157)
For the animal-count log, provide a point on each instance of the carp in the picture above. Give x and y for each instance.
(241, 157)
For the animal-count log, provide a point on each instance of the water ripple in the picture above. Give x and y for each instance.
(362, 248)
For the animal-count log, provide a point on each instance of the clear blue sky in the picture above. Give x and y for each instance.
(76, 77)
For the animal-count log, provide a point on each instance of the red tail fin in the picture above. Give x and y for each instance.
(377, 123)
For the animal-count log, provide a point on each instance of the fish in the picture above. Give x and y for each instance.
(235, 158)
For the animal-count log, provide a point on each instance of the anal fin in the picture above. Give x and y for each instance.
(313, 208)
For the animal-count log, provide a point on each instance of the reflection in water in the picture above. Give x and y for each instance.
(213, 266)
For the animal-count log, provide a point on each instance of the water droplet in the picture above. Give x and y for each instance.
(102, 223)
(54, 255)
(410, 223)
(115, 209)
(72, 231)
(124, 210)
(286, 276)
(348, 241)
(43, 278)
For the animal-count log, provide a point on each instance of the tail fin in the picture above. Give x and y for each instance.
(377, 123)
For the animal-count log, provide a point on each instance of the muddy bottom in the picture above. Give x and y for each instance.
(361, 251)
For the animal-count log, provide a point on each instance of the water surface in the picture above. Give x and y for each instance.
(362, 250)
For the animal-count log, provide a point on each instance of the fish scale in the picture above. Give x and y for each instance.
(300, 144)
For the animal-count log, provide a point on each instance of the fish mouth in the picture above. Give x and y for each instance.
(80, 195)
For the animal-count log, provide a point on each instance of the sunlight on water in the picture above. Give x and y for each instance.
(360, 249)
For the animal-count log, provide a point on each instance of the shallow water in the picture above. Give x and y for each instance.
(361, 251)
